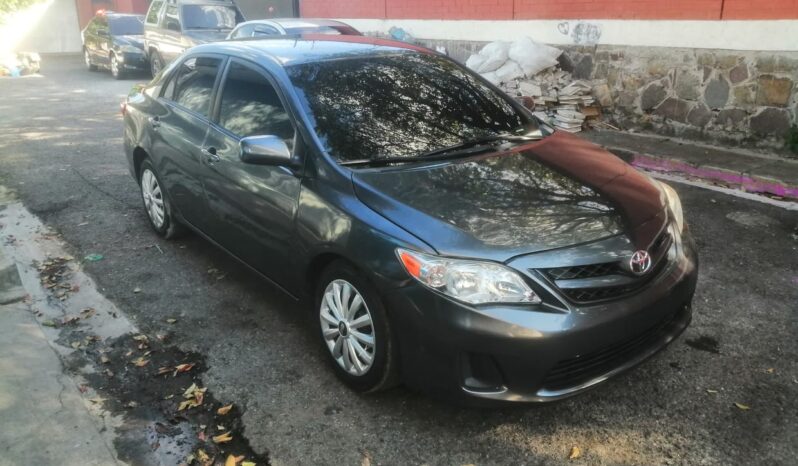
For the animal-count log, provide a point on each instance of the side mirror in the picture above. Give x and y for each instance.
(265, 150)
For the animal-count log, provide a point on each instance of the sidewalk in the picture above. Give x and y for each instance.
(733, 168)
(43, 418)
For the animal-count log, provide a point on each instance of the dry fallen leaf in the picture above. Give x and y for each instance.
(575, 453)
(712, 392)
(203, 457)
(248, 463)
(224, 410)
(742, 406)
(770, 370)
(141, 337)
(171, 321)
(233, 460)
(223, 438)
(164, 370)
(183, 368)
(140, 362)
(137, 290)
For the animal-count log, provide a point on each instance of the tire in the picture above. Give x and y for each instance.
(382, 371)
(156, 63)
(87, 60)
(116, 72)
(153, 194)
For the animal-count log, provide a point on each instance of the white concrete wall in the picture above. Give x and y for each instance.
(47, 27)
(778, 35)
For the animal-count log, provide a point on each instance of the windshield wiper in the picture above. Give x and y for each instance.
(465, 149)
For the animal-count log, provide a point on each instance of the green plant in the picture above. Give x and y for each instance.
(10, 6)
(792, 139)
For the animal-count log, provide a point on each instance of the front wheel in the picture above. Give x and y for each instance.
(156, 63)
(355, 330)
(116, 71)
(87, 60)
(156, 203)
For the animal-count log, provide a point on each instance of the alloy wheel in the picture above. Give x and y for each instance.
(153, 198)
(347, 327)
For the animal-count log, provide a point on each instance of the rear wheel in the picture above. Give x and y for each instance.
(355, 330)
(156, 203)
(87, 60)
(116, 71)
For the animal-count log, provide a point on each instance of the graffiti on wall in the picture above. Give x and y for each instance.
(582, 33)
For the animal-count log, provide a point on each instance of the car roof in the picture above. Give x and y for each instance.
(297, 22)
(308, 48)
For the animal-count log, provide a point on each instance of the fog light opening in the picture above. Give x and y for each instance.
(481, 373)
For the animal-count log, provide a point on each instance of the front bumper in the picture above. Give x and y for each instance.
(484, 355)
(133, 61)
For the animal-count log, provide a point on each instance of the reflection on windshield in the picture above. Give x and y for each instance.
(209, 17)
(399, 105)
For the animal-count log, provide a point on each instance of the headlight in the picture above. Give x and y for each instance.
(130, 49)
(674, 205)
(473, 282)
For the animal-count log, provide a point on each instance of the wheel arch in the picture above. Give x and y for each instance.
(139, 156)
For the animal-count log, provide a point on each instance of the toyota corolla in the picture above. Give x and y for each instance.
(441, 235)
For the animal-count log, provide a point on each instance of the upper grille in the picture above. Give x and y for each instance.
(583, 271)
(625, 281)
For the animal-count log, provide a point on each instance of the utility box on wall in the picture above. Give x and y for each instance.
(262, 9)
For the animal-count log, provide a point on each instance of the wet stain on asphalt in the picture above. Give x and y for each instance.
(136, 377)
(704, 343)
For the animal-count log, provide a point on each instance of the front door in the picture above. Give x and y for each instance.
(180, 132)
(254, 205)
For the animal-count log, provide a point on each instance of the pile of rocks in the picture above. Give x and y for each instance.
(529, 71)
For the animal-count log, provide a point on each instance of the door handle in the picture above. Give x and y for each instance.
(155, 122)
(210, 154)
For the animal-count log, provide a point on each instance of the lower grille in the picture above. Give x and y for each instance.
(580, 369)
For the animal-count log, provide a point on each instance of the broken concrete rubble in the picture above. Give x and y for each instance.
(530, 72)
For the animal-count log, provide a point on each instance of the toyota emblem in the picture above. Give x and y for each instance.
(640, 263)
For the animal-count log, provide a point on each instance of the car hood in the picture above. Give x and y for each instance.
(134, 40)
(198, 36)
(552, 193)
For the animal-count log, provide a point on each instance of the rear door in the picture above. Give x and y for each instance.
(179, 134)
(152, 31)
(254, 205)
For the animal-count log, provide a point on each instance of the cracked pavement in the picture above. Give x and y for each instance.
(62, 156)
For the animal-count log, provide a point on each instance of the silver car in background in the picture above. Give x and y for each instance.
(290, 27)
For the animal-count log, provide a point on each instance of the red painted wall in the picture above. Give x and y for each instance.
(87, 8)
(770, 9)
(342, 8)
(552, 9)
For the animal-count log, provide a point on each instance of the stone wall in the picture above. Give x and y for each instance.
(739, 98)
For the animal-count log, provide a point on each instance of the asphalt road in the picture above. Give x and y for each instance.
(61, 152)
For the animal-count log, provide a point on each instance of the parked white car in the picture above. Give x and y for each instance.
(291, 26)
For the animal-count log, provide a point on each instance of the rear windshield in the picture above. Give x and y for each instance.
(126, 25)
(210, 17)
(400, 105)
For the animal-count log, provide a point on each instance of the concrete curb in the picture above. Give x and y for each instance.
(11, 289)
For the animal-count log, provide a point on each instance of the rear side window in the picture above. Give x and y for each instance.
(191, 86)
(152, 13)
(171, 18)
(265, 30)
(250, 106)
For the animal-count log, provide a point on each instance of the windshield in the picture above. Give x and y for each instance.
(209, 17)
(126, 25)
(400, 105)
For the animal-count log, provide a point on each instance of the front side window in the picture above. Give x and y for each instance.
(191, 86)
(400, 105)
(250, 106)
(210, 17)
(152, 13)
